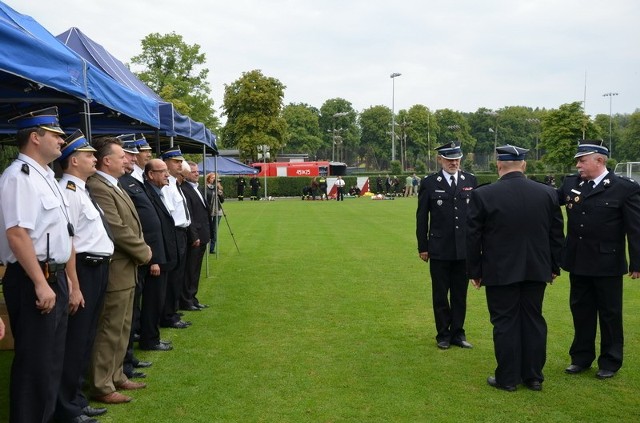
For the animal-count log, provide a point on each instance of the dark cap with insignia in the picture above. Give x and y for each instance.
(75, 142)
(174, 154)
(450, 150)
(138, 140)
(43, 118)
(591, 146)
(511, 153)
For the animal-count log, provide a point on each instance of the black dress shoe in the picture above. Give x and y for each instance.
(137, 375)
(493, 382)
(462, 344)
(533, 384)
(82, 418)
(176, 325)
(574, 369)
(92, 412)
(157, 347)
(443, 345)
(605, 374)
(190, 308)
(142, 364)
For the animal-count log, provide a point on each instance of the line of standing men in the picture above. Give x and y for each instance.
(78, 259)
(510, 238)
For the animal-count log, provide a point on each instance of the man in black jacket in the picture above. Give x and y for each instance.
(514, 240)
(440, 229)
(602, 209)
(195, 247)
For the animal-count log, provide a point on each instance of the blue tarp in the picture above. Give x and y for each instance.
(172, 123)
(35, 66)
(226, 166)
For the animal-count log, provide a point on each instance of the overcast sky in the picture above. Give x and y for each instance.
(452, 54)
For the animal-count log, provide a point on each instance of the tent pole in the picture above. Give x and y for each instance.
(206, 200)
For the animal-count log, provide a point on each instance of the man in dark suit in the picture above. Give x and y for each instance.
(440, 229)
(195, 247)
(602, 209)
(514, 240)
(114, 326)
(162, 262)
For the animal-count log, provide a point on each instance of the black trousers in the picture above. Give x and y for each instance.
(153, 298)
(81, 332)
(175, 281)
(519, 331)
(39, 341)
(193, 266)
(449, 285)
(340, 194)
(130, 360)
(594, 299)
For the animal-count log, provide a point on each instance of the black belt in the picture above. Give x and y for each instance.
(52, 267)
(93, 259)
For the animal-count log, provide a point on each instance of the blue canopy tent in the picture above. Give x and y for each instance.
(37, 70)
(172, 123)
(225, 166)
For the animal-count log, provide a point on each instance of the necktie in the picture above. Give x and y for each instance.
(104, 220)
(453, 183)
(184, 202)
(588, 187)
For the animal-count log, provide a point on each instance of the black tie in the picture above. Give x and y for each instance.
(184, 201)
(104, 220)
(453, 183)
(588, 187)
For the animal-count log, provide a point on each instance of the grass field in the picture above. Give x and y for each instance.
(325, 316)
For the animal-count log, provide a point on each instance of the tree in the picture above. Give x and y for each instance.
(253, 106)
(375, 140)
(338, 124)
(561, 130)
(629, 147)
(304, 129)
(175, 70)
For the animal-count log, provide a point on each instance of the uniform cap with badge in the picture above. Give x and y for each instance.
(450, 150)
(44, 118)
(134, 141)
(173, 154)
(75, 142)
(586, 147)
(511, 153)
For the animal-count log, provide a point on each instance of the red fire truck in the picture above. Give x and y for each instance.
(301, 168)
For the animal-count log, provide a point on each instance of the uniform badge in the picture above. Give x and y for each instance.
(25, 168)
(570, 205)
(462, 176)
(439, 179)
(568, 198)
(439, 202)
(577, 199)
(71, 186)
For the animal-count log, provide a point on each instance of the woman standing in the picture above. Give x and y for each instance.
(215, 198)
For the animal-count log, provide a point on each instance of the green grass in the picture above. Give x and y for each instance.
(325, 316)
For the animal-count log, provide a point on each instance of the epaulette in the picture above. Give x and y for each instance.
(25, 168)
(71, 186)
(628, 179)
(482, 185)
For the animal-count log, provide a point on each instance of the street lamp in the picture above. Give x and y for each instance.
(264, 149)
(335, 137)
(610, 95)
(536, 122)
(495, 132)
(393, 77)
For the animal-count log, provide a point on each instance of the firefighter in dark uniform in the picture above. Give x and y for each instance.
(514, 241)
(255, 186)
(602, 209)
(37, 251)
(240, 184)
(441, 230)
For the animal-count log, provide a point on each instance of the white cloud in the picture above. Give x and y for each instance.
(460, 54)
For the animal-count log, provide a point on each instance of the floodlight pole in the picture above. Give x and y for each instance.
(393, 77)
(610, 95)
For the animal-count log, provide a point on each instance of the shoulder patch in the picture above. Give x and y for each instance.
(25, 168)
(71, 186)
